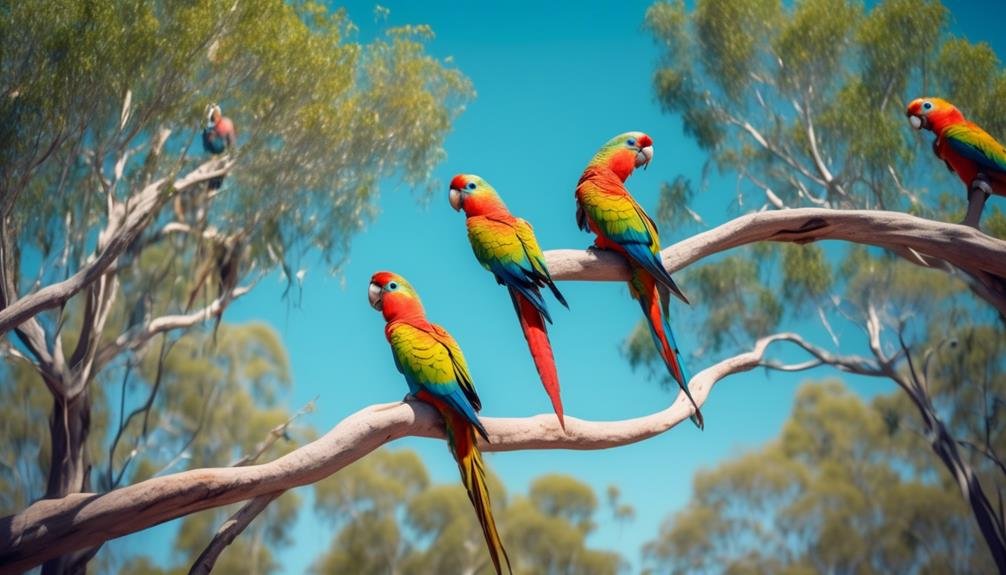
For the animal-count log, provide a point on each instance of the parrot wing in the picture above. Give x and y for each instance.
(525, 233)
(620, 219)
(432, 361)
(976, 145)
(500, 249)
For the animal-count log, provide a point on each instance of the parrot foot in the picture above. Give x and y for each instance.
(978, 194)
(408, 397)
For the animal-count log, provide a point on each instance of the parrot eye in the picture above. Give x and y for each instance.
(471, 185)
(631, 141)
(392, 286)
(927, 105)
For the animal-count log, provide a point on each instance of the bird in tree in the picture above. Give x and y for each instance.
(218, 137)
(605, 207)
(437, 374)
(505, 245)
(977, 158)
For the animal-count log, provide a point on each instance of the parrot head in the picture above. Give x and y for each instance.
(391, 295)
(624, 153)
(932, 114)
(213, 114)
(474, 195)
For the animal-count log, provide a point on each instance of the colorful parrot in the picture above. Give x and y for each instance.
(218, 136)
(605, 207)
(977, 158)
(437, 374)
(506, 246)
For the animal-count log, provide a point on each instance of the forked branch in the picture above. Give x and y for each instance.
(50, 528)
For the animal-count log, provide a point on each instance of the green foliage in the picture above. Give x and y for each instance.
(806, 273)
(805, 102)
(190, 425)
(99, 100)
(672, 211)
(831, 494)
(390, 518)
(320, 116)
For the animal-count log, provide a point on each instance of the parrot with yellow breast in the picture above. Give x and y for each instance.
(605, 207)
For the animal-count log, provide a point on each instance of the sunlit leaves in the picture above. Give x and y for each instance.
(829, 494)
(806, 273)
(729, 35)
(389, 518)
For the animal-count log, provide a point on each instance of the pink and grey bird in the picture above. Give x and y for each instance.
(506, 246)
(977, 158)
(219, 136)
(605, 207)
(437, 374)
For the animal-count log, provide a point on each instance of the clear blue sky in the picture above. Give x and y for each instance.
(554, 82)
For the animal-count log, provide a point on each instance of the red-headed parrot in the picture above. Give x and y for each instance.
(506, 246)
(977, 158)
(437, 374)
(218, 136)
(605, 207)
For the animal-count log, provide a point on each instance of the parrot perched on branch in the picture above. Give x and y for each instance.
(218, 136)
(977, 158)
(437, 374)
(605, 207)
(506, 246)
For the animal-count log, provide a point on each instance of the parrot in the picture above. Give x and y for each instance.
(977, 158)
(506, 246)
(437, 374)
(605, 207)
(218, 136)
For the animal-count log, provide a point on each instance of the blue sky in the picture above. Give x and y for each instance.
(554, 82)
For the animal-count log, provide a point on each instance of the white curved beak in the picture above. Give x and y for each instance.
(457, 199)
(916, 122)
(644, 156)
(374, 296)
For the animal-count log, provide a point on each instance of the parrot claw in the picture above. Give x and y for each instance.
(978, 194)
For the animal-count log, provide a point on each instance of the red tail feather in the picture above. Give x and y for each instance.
(646, 290)
(655, 317)
(533, 325)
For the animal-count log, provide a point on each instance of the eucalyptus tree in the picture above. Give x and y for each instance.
(804, 104)
(111, 239)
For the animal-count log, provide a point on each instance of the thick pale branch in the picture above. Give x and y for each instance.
(963, 247)
(123, 228)
(134, 341)
(50, 528)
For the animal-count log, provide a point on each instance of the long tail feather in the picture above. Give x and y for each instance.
(642, 255)
(647, 291)
(461, 436)
(533, 326)
(557, 293)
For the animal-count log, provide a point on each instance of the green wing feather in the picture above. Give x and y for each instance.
(976, 144)
(430, 359)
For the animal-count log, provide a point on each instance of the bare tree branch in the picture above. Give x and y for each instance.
(135, 341)
(126, 223)
(975, 254)
(230, 529)
(238, 522)
(53, 527)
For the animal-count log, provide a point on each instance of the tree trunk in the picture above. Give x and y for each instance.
(69, 467)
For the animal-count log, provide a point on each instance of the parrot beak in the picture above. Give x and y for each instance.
(643, 157)
(457, 198)
(374, 295)
(917, 122)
